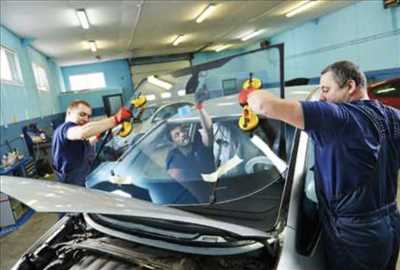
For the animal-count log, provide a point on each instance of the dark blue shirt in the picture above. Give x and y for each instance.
(356, 144)
(199, 160)
(71, 158)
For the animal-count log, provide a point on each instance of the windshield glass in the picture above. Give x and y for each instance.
(169, 111)
(238, 176)
(170, 170)
(148, 112)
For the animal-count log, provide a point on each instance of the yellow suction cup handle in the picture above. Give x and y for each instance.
(248, 120)
(139, 101)
(255, 83)
(127, 128)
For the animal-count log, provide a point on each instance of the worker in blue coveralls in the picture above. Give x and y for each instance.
(72, 143)
(192, 157)
(357, 158)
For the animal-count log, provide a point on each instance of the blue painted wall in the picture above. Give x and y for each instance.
(117, 76)
(94, 97)
(24, 104)
(365, 33)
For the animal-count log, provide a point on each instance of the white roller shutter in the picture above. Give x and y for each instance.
(140, 72)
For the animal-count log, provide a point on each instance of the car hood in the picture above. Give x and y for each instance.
(50, 196)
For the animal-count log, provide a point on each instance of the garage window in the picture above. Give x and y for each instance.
(87, 81)
(10, 71)
(42, 83)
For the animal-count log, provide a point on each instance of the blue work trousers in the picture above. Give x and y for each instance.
(369, 242)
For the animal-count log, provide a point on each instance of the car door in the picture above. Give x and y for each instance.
(302, 248)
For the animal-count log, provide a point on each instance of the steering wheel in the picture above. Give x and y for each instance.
(257, 164)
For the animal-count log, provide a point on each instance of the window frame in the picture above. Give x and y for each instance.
(38, 72)
(85, 76)
(20, 80)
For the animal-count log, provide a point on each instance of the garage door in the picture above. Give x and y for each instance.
(140, 72)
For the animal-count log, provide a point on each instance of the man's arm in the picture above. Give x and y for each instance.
(289, 111)
(90, 129)
(206, 133)
(96, 127)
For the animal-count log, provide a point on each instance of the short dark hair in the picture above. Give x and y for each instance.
(172, 126)
(344, 71)
(76, 103)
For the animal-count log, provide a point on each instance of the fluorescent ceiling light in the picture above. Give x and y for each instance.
(160, 83)
(226, 103)
(178, 40)
(302, 7)
(83, 19)
(93, 46)
(299, 92)
(181, 92)
(150, 97)
(205, 13)
(222, 47)
(251, 35)
(385, 90)
(165, 95)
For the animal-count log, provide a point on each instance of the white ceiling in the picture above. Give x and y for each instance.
(146, 28)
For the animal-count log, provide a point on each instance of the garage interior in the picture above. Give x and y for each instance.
(54, 52)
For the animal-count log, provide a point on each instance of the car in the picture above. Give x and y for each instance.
(387, 91)
(254, 208)
(135, 215)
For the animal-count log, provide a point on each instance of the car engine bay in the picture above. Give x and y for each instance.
(75, 245)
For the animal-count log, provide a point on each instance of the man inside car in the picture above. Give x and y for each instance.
(357, 158)
(192, 154)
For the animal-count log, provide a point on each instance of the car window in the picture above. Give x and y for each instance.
(167, 112)
(147, 113)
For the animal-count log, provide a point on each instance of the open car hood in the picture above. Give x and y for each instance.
(50, 196)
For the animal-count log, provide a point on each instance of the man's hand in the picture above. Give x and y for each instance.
(122, 115)
(200, 96)
(266, 104)
(259, 101)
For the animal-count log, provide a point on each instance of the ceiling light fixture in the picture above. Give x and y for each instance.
(150, 97)
(83, 19)
(93, 46)
(160, 83)
(165, 95)
(222, 47)
(178, 40)
(385, 90)
(205, 13)
(302, 7)
(251, 35)
(181, 92)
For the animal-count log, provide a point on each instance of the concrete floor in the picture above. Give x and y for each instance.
(15, 244)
